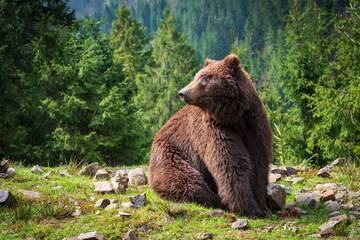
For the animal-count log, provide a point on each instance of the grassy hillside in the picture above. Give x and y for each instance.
(49, 215)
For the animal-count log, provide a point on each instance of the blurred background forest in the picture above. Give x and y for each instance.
(93, 80)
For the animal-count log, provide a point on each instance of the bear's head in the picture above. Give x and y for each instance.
(222, 89)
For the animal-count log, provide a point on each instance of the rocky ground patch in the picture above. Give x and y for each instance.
(97, 202)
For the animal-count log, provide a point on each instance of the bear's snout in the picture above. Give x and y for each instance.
(184, 95)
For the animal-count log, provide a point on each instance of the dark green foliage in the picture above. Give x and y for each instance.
(72, 92)
(174, 66)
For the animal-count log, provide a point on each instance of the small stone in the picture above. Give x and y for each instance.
(103, 187)
(278, 196)
(327, 227)
(274, 177)
(310, 199)
(5, 197)
(341, 196)
(64, 173)
(121, 173)
(291, 171)
(327, 195)
(119, 183)
(128, 205)
(279, 170)
(290, 211)
(240, 224)
(349, 205)
(332, 206)
(90, 170)
(290, 226)
(137, 177)
(337, 162)
(4, 165)
(90, 236)
(32, 195)
(102, 203)
(217, 213)
(138, 200)
(356, 214)
(130, 235)
(204, 236)
(77, 213)
(356, 207)
(326, 186)
(296, 180)
(37, 169)
(101, 174)
(10, 172)
(334, 214)
(354, 195)
(123, 214)
(111, 206)
(57, 187)
(324, 172)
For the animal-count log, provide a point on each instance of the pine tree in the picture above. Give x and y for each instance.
(336, 101)
(174, 66)
(130, 44)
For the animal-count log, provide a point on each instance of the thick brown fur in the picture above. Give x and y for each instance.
(216, 151)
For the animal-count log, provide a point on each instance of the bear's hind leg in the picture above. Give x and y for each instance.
(175, 179)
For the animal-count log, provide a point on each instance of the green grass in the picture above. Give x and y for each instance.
(49, 217)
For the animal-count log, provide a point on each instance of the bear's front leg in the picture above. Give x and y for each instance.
(233, 171)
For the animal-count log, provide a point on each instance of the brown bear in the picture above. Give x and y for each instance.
(216, 150)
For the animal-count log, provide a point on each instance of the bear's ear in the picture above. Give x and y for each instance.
(208, 61)
(232, 60)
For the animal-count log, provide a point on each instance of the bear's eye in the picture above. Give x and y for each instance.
(204, 81)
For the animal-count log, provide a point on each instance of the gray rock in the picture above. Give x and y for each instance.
(76, 213)
(349, 205)
(103, 187)
(328, 227)
(121, 172)
(137, 177)
(274, 177)
(356, 207)
(291, 171)
(277, 194)
(336, 162)
(130, 235)
(354, 195)
(296, 180)
(111, 206)
(332, 206)
(326, 186)
(90, 170)
(334, 214)
(90, 236)
(311, 199)
(204, 236)
(217, 213)
(10, 172)
(123, 214)
(138, 200)
(324, 172)
(37, 169)
(102, 203)
(4, 165)
(64, 173)
(101, 174)
(356, 214)
(32, 195)
(279, 170)
(128, 205)
(5, 197)
(341, 196)
(119, 183)
(240, 224)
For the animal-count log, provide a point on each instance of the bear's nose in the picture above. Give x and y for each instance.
(182, 95)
